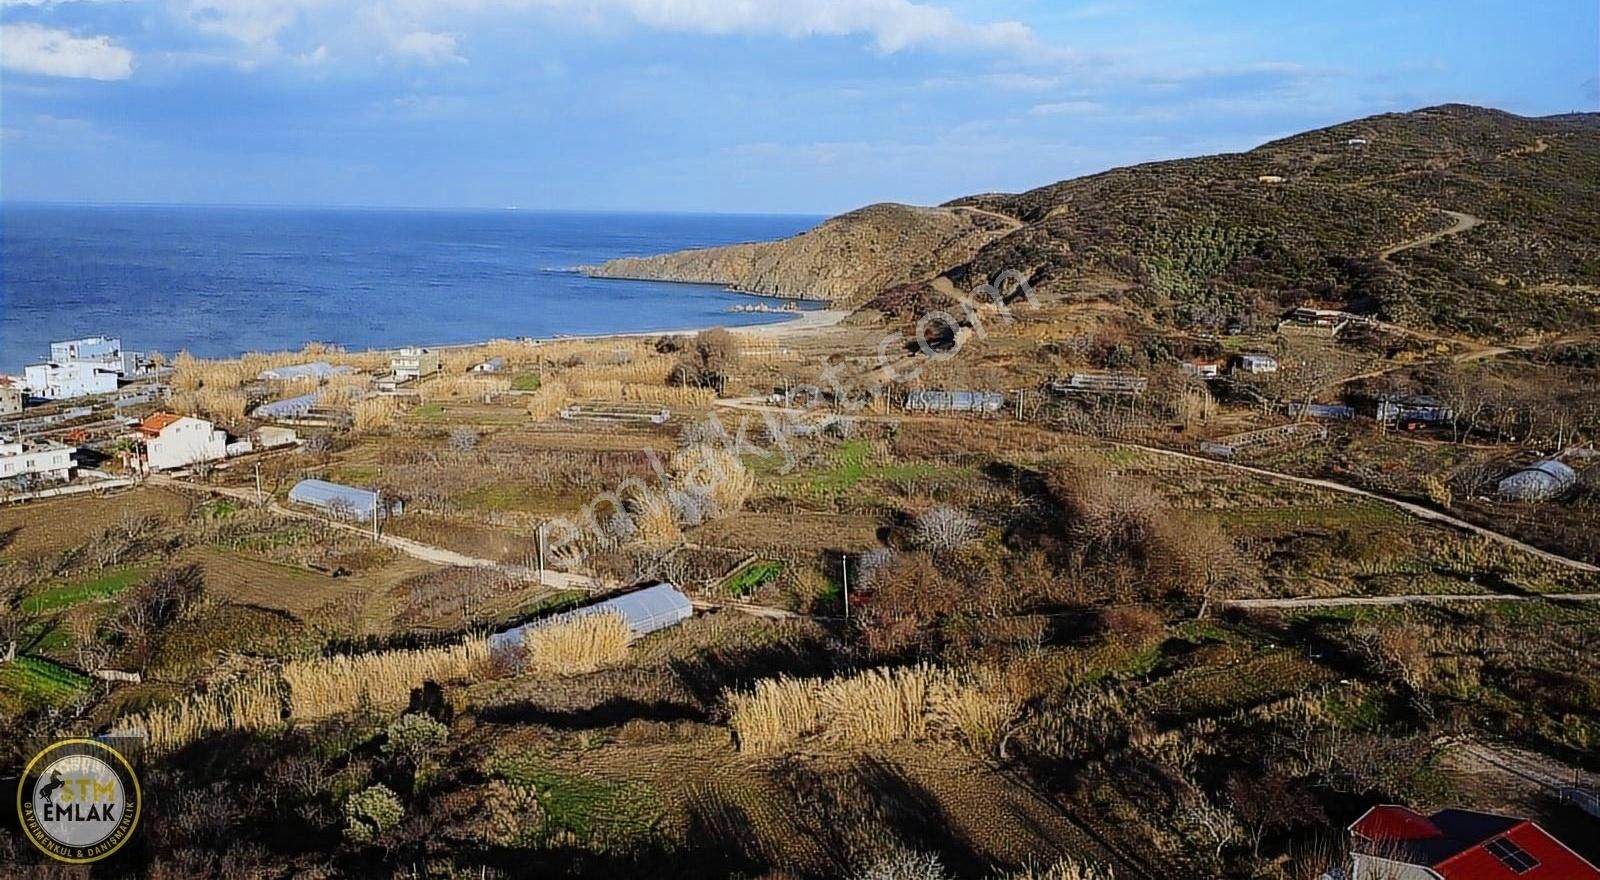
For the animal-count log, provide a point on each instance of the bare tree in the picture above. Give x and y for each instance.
(944, 529)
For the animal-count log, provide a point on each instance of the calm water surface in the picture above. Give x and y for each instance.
(221, 281)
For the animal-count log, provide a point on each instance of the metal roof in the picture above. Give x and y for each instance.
(285, 409)
(644, 611)
(359, 503)
(314, 370)
(956, 401)
(1538, 482)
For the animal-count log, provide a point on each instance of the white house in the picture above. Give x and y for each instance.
(172, 441)
(48, 461)
(1206, 370)
(1258, 363)
(101, 351)
(492, 365)
(68, 379)
(413, 363)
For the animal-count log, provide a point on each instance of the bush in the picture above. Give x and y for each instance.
(411, 738)
(944, 529)
(371, 812)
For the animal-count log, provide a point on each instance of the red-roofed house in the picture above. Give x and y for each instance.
(169, 441)
(1397, 843)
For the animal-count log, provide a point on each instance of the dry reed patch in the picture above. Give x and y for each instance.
(718, 471)
(578, 645)
(336, 685)
(217, 404)
(375, 413)
(654, 518)
(876, 706)
(547, 401)
(627, 392)
(254, 703)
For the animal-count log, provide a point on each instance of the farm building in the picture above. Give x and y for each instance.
(1397, 842)
(645, 611)
(492, 365)
(1538, 482)
(10, 398)
(1102, 383)
(413, 363)
(955, 401)
(1206, 370)
(48, 461)
(1270, 179)
(1258, 364)
(604, 411)
(66, 380)
(292, 408)
(271, 437)
(345, 502)
(1337, 411)
(316, 371)
(169, 441)
(1421, 410)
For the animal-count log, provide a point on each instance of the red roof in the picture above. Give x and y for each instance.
(155, 424)
(1553, 861)
(1464, 845)
(1394, 823)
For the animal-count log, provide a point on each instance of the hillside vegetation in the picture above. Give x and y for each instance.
(1206, 240)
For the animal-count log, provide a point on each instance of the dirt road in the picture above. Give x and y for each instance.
(1463, 223)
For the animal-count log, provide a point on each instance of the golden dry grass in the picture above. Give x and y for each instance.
(627, 392)
(876, 706)
(216, 404)
(654, 517)
(192, 373)
(578, 645)
(650, 370)
(254, 703)
(548, 400)
(337, 685)
(717, 470)
(375, 413)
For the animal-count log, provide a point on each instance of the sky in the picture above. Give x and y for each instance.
(780, 106)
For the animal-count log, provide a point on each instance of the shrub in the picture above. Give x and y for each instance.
(411, 738)
(578, 645)
(371, 812)
(718, 472)
(904, 864)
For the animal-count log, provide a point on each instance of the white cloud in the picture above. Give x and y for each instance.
(1068, 107)
(30, 48)
(892, 25)
(428, 47)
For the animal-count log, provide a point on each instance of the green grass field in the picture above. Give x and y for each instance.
(40, 682)
(751, 577)
(96, 589)
(525, 382)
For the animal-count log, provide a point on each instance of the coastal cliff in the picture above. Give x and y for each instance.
(845, 260)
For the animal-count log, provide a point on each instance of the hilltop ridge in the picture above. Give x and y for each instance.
(1304, 218)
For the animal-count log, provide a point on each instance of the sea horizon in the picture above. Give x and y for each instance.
(223, 280)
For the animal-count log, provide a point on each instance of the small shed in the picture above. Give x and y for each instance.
(273, 437)
(342, 501)
(1538, 482)
(291, 408)
(955, 401)
(1258, 363)
(645, 611)
(492, 365)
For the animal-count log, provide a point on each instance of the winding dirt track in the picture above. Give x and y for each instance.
(1463, 223)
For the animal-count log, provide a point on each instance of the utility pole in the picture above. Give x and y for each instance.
(260, 500)
(844, 569)
(541, 554)
(377, 508)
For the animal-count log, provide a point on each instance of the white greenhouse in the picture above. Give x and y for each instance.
(645, 611)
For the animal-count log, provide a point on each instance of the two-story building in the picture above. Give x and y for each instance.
(168, 442)
(44, 461)
(413, 363)
(64, 380)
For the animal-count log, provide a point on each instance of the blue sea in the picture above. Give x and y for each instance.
(222, 281)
